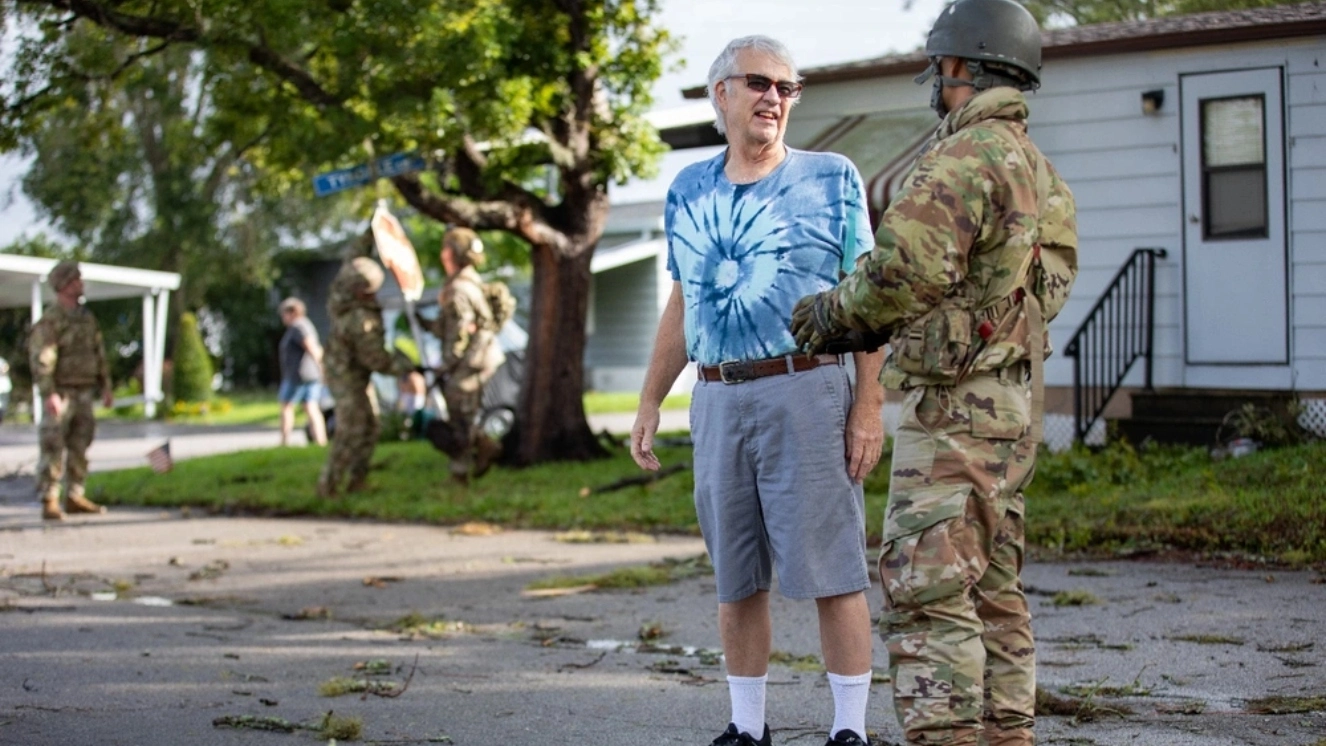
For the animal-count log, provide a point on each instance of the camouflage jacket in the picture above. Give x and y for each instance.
(65, 350)
(465, 325)
(356, 346)
(953, 253)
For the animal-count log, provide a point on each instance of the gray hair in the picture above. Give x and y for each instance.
(726, 66)
(294, 305)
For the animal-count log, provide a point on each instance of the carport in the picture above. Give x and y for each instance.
(23, 283)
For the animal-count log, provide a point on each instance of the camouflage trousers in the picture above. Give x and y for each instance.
(64, 440)
(464, 399)
(956, 622)
(355, 437)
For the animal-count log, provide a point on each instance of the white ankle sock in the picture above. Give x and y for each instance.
(747, 693)
(850, 694)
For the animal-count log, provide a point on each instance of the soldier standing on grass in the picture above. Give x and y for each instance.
(470, 353)
(69, 368)
(356, 349)
(972, 258)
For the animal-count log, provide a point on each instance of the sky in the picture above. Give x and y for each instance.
(819, 32)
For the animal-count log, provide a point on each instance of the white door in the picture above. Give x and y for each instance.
(1236, 309)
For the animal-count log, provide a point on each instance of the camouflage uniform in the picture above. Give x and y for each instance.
(356, 348)
(954, 276)
(470, 356)
(68, 358)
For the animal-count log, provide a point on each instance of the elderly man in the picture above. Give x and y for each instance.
(973, 257)
(356, 348)
(68, 361)
(782, 440)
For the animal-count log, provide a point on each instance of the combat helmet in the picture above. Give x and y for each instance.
(359, 275)
(63, 273)
(1001, 32)
(465, 245)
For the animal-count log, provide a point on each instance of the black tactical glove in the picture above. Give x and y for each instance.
(813, 325)
(816, 331)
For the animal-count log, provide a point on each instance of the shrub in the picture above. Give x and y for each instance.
(193, 366)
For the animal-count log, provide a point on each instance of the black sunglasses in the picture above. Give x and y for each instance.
(761, 84)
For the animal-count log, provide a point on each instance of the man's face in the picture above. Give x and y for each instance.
(753, 117)
(448, 258)
(287, 317)
(72, 289)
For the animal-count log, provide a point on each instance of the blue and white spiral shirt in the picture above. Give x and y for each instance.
(746, 253)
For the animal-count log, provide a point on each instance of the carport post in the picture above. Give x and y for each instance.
(37, 404)
(149, 356)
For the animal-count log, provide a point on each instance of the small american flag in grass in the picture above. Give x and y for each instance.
(159, 458)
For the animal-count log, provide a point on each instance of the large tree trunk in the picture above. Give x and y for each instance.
(550, 420)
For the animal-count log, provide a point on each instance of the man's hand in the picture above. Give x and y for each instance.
(107, 398)
(813, 324)
(54, 405)
(865, 440)
(642, 437)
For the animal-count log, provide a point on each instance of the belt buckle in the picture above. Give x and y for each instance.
(735, 371)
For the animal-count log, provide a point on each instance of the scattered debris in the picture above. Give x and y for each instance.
(381, 582)
(1190, 707)
(1283, 705)
(375, 667)
(1083, 710)
(309, 612)
(603, 537)
(1089, 572)
(1207, 639)
(566, 666)
(1292, 647)
(809, 663)
(1075, 598)
(641, 479)
(211, 571)
(552, 592)
(339, 728)
(280, 725)
(476, 528)
(341, 685)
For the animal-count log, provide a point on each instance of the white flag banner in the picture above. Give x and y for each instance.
(397, 253)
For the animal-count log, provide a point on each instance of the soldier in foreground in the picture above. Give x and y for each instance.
(69, 368)
(356, 349)
(467, 325)
(972, 259)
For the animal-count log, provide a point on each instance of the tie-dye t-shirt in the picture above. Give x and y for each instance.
(746, 253)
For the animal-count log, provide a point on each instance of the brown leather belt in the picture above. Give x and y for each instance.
(737, 371)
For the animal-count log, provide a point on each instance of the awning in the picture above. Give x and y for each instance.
(882, 145)
(627, 253)
(23, 283)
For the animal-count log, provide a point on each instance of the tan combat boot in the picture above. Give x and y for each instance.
(80, 504)
(50, 509)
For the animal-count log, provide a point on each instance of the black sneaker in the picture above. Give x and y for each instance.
(734, 737)
(847, 738)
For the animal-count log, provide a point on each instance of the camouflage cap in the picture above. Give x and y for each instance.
(466, 244)
(63, 273)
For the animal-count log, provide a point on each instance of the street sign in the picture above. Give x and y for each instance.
(383, 168)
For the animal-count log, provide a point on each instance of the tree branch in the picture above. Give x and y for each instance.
(176, 31)
(521, 213)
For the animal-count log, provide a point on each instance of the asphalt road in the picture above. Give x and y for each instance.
(152, 627)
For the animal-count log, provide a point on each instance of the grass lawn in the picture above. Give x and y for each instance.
(1270, 504)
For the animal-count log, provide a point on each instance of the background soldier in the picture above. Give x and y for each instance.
(470, 354)
(976, 253)
(356, 349)
(68, 362)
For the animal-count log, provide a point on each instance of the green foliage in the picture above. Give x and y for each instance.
(193, 366)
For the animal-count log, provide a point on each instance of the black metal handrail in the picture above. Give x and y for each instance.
(1117, 331)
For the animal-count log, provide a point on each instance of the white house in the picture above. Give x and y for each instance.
(1203, 136)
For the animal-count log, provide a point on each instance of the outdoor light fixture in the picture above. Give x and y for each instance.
(1152, 101)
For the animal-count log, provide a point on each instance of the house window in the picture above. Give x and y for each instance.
(1234, 188)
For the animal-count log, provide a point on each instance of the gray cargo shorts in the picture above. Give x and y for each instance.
(771, 485)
